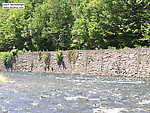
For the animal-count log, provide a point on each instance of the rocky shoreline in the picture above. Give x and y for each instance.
(123, 62)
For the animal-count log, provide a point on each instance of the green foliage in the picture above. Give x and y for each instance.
(69, 54)
(9, 58)
(138, 46)
(14, 52)
(52, 25)
(126, 47)
(2, 54)
(93, 24)
(88, 59)
(91, 58)
(46, 60)
(59, 57)
(111, 47)
(24, 50)
(72, 56)
(31, 65)
(40, 56)
(80, 33)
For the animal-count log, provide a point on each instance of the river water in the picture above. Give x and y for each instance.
(48, 93)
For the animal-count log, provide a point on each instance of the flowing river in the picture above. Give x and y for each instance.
(49, 93)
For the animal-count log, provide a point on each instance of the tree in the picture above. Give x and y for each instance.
(80, 34)
(125, 20)
(75, 24)
(52, 22)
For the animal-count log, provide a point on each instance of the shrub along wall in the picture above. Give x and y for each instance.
(124, 62)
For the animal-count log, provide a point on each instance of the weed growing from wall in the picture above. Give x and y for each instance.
(87, 60)
(46, 59)
(73, 56)
(40, 56)
(139, 56)
(31, 65)
(91, 58)
(59, 58)
(14, 52)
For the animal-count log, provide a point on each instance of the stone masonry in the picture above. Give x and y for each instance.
(123, 62)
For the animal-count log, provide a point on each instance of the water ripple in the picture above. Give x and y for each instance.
(47, 93)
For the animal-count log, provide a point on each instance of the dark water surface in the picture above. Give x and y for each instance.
(47, 93)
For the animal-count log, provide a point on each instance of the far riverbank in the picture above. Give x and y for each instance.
(123, 62)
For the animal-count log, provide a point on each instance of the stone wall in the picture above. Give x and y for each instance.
(124, 62)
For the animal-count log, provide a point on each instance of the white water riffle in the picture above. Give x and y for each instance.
(48, 93)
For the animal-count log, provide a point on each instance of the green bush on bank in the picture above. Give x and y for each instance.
(8, 58)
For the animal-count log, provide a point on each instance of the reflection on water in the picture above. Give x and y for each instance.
(47, 93)
(3, 78)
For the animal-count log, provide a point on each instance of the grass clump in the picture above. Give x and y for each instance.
(40, 56)
(72, 56)
(46, 60)
(59, 58)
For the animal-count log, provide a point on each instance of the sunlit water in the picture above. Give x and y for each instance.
(47, 93)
